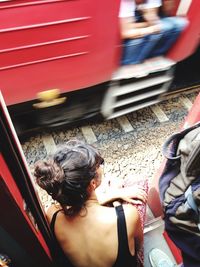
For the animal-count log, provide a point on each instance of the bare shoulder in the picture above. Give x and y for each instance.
(131, 213)
(50, 211)
(132, 220)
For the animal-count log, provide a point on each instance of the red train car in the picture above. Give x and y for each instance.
(74, 46)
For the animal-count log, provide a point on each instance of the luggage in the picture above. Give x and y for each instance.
(179, 187)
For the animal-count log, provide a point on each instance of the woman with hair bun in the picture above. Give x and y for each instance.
(89, 233)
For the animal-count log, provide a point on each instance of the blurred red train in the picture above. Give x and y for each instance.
(74, 46)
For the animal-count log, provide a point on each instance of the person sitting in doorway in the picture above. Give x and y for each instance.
(139, 38)
(145, 34)
(88, 232)
(158, 12)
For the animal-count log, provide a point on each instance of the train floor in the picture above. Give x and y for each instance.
(153, 238)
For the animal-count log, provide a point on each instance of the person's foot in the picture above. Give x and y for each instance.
(130, 71)
(158, 64)
(155, 59)
(159, 259)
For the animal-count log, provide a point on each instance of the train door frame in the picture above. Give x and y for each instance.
(23, 226)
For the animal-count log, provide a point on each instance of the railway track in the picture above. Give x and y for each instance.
(129, 143)
(131, 146)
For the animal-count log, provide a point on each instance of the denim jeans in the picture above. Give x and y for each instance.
(171, 27)
(137, 50)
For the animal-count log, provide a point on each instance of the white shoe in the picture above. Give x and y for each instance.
(159, 259)
(158, 64)
(130, 71)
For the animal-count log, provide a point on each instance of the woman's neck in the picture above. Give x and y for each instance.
(92, 201)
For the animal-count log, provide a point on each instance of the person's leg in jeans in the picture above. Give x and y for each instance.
(131, 48)
(137, 50)
(171, 27)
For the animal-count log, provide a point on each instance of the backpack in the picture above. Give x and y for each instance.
(179, 187)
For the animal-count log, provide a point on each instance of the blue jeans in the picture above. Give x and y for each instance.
(137, 50)
(171, 27)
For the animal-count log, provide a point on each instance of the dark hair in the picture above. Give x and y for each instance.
(67, 175)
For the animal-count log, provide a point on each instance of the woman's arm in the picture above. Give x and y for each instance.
(131, 194)
(130, 30)
(139, 235)
(134, 228)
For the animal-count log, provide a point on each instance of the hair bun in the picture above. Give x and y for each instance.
(44, 169)
(47, 174)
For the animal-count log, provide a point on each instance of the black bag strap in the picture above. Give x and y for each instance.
(170, 146)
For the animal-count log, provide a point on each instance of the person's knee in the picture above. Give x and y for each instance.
(180, 23)
(166, 26)
(174, 24)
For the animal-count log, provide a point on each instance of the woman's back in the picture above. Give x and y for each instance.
(89, 234)
(90, 239)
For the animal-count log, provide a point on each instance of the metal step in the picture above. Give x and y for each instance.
(122, 99)
(151, 65)
(128, 110)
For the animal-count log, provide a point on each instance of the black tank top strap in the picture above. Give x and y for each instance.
(58, 255)
(123, 247)
(124, 257)
(53, 220)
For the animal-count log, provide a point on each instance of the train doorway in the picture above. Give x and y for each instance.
(25, 236)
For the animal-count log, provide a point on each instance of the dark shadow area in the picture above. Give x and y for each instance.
(187, 72)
